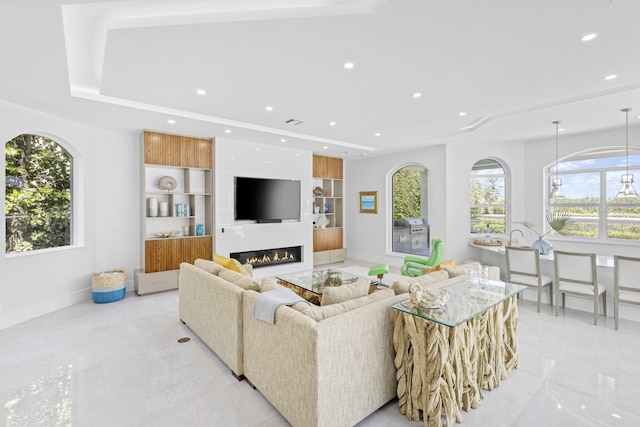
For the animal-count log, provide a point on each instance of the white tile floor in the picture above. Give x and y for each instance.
(119, 364)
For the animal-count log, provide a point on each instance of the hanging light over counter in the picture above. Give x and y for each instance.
(627, 191)
(556, 183)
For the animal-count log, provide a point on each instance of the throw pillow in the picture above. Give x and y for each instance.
(230, 263)
(239, 279)
(440, 266)
(208, 266)
(338, 294)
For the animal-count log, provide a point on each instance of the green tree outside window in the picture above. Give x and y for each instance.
(38, 194)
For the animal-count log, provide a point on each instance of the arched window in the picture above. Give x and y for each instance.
(487, 197)
(38, 194)
(591, 182)
(410, 210)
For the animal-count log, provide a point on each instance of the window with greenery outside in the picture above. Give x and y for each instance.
(38, 194)
(409, 192)
(487, 197)
(590, 183)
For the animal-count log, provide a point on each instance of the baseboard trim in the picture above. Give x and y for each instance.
(45, 307)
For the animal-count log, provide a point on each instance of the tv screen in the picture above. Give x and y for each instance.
(262, 199)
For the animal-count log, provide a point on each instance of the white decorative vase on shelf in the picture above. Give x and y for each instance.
(322, 221)
(543, 246)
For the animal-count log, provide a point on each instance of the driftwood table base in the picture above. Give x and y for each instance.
(443, 370)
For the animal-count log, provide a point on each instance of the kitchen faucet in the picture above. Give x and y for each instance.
(510, 234)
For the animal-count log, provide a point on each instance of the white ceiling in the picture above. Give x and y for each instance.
(514, 66)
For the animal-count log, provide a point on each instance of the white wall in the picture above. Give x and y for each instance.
(106, 209)
(449, 166)
(242, 158)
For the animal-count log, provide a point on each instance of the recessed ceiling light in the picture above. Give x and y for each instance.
(258, 149)
(201, 92)
(348, 65)
(326, 147)
(377, 134)
(417, 95)
(269, 162)
(611, 77)
(561, 130)
(332, 123)
(283, 140)
(171, 121)
(462, 113)
(268, 108)
(588, 37)
(227, 131)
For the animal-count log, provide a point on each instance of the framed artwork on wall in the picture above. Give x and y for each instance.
(368, 202)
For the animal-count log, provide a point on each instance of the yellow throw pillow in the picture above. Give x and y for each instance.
(441, 266)
(230, 263)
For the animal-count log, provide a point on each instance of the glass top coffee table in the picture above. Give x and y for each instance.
(466, 302)
(310, 284)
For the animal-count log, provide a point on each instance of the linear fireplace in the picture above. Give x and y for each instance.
(269, 257)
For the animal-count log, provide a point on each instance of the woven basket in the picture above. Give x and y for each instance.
(108, 286)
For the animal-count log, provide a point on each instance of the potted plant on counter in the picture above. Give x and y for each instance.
(559, 221)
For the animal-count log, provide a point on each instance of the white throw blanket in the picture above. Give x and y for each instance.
(266, 303)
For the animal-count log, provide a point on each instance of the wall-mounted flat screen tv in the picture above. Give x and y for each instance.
(266, 200)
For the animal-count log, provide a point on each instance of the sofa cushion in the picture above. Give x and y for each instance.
(320, 313)
(208, 266)
(238, 279)
(230, 263)
(338, 294)
(459, 270)
(402, 286)
(268, 285)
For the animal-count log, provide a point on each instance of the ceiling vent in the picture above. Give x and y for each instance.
(294, 122)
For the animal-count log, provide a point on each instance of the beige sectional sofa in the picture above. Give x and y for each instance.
(331, 372)
(211, 305)
(318, 366)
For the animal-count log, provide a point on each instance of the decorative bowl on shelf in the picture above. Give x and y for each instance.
(318, 191)
(167, 183)
(169, 233)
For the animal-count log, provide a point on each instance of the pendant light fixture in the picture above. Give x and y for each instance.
(556, 183)
(627, 191)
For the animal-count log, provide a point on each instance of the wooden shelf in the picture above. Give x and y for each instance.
(328, 242)
(189, 161)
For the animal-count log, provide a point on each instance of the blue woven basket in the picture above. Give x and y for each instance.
(108, 286)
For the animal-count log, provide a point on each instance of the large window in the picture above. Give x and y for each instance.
(38, 194)
(410, 210)
(590, 183)
(487, 197)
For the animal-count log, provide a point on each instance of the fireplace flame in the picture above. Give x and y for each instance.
(275, 257)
